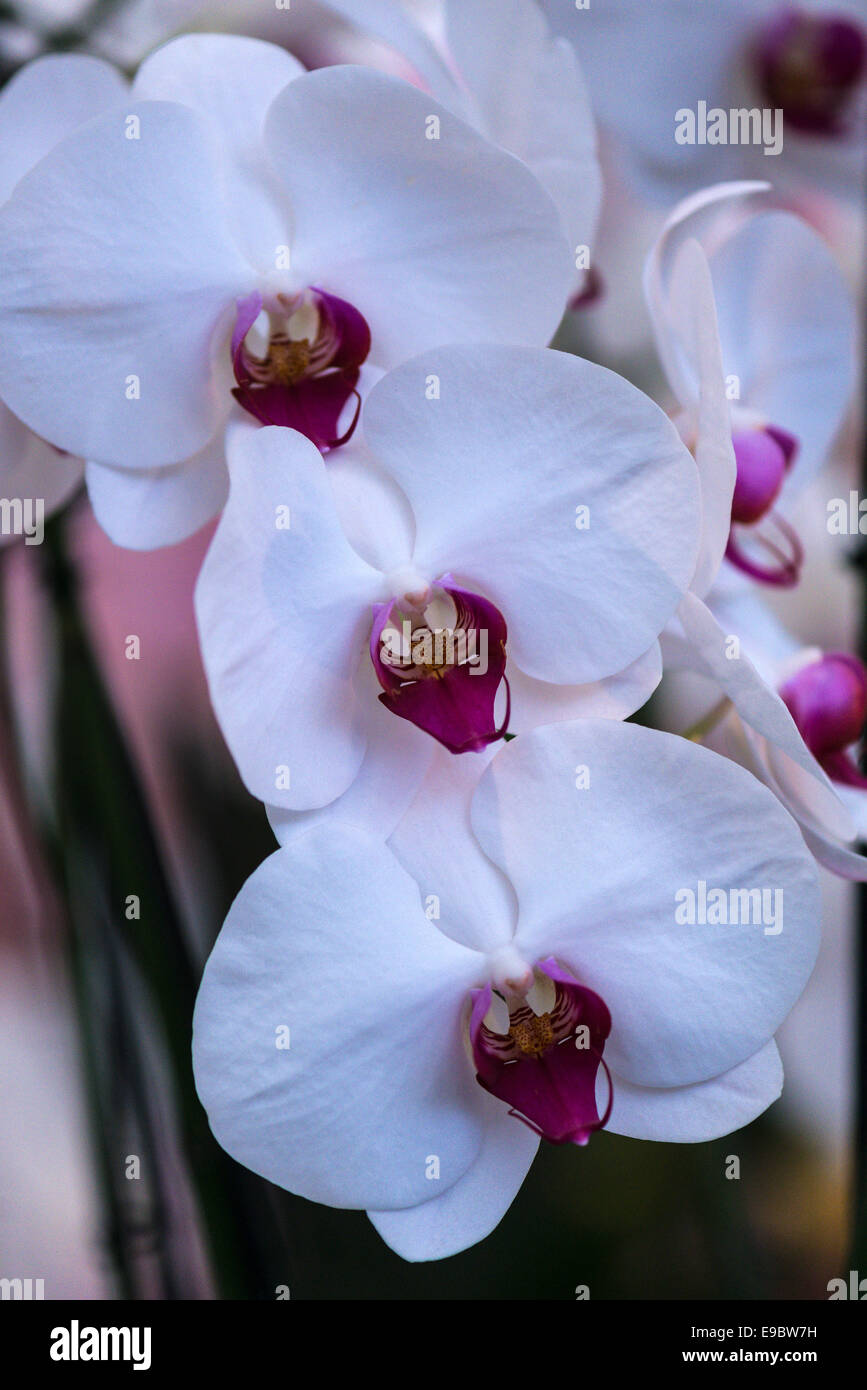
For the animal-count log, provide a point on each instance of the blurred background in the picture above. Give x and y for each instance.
(115, 786)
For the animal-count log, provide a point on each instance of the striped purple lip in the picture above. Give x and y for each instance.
(545, 1067)
(303, 380)
(444, 680)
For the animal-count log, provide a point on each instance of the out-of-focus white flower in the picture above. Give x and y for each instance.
(31, 470)
(645, 64)
(353, 1050)
(499, 492)
(238, 216)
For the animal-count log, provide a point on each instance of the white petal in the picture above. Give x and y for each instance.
(530, 96)
(388, 22)
(476, 1204)
(788, 330)
(843, 860)
(707, 1110)
(760, 707)
(230, 78)
(741, 610)
(616, 697)
(433, 240)
(827, 822)
(114, 261)
(855, 801)
(496, 469)
(44, 101)
(700, 217)
(598, 870)
(686, 330)
(231, 81)
(468, 897)
(514, 84)
(328, 939)
(396, 759)
(284, 617)
(375, 515)
(144, 510)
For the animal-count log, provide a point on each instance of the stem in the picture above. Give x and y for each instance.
(104, 828)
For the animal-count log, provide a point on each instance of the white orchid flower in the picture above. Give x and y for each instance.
(351, 1049)
(499, 494)
(238, 229)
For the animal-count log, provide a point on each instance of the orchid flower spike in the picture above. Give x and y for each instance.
(501, 549)
(236, 233)
(684, 300)
(395, 1027)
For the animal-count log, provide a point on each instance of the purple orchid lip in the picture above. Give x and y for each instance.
(545, 1067)
(763, 456)
(787, 558)
(445, 680)
(827, 699)
(810, 66)
(302, 383)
